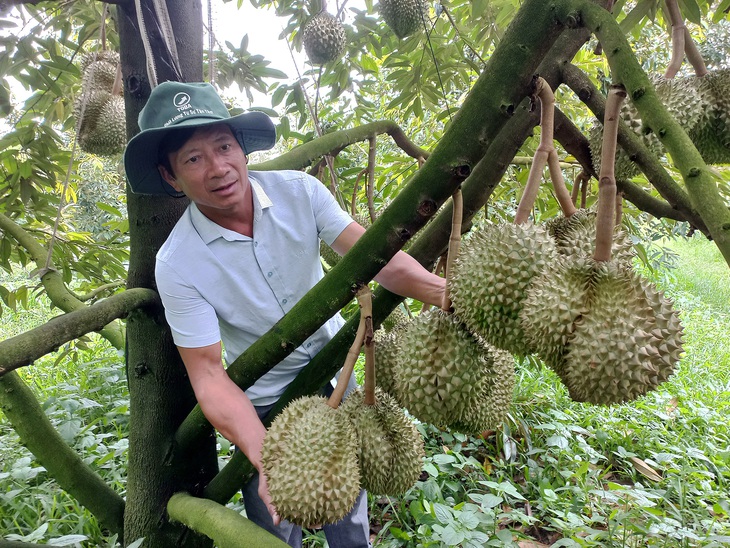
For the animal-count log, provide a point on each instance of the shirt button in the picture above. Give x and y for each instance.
(270, 274)
(255, 244)
(284, 301)
(309, 344)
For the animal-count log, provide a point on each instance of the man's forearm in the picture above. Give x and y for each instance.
(405, 276)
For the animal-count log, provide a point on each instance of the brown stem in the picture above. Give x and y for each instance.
(547, 117)
(578, 182)
(369, 388)
(353, 201)
(693, 55)
(440, 267)
(607, 180)
(619, 207)
(584, 192)
(364, 299)
(454, 243)
(561, 191)
(371, 177)
(678, 38)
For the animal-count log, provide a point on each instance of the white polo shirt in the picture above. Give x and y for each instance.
(219, 285)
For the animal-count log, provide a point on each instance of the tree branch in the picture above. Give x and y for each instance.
(52, 281)
(27, 347)
(332, 143)
(638, 153)
(575, 143)
(225, 526)
(63, 464)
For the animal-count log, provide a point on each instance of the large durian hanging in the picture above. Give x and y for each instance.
(492, 396)
(497, 264)
(404, 17)
(610, 336)
(309, 457)
(99, 110)
(441, 369)
(323, 37)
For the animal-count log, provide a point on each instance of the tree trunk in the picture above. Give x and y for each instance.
(160, 393)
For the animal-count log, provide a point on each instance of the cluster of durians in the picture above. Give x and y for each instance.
(100, 118)
(610, 335)
(699, 104)
(335, 453)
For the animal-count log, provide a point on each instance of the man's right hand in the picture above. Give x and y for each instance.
(266, 497)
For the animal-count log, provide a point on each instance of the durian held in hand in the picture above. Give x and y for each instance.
(610, 335)
(316, 456)
(444, 374)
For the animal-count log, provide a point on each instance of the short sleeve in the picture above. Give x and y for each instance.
(330, 218)
(192, 319)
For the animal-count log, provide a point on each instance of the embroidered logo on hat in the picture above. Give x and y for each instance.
(181, 99)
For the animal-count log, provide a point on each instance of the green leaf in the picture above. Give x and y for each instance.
(635, 16)
(442, 512)
(691, 11)
(109, 209)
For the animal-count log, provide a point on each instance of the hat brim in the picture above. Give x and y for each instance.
(254, 131)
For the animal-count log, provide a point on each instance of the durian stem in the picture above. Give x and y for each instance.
(369, 388)
(584, 192)
(607, 181)
(454, 243)
(578, 182)
(678, 37)
(440, 267)
(364, 299)
(561, 191)
(353, 200)
(693, 55)
(619, 207)
(542, 155)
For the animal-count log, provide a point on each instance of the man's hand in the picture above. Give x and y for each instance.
(266, 497)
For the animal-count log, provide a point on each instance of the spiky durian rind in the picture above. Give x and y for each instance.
(390, 447)
(309, 457)
(323, 38)
(491, 276)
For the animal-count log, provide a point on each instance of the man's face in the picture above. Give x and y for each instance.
(210, 168)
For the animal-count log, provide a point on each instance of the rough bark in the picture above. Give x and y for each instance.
(160, 393)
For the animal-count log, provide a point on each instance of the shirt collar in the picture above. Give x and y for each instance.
(209, 230)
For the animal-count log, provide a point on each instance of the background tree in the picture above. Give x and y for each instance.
(454, 99)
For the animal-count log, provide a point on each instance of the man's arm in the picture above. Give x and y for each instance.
(403, 275)
(227, 408)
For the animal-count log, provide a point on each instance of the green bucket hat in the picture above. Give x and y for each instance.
(173, 105)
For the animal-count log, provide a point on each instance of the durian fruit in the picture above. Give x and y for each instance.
(438, 368)
(309, 457)
(491, 276)
(390, 446)
(699, 104)
(330, 256)
(388, 348)
(577, 234)
(396, 320)
(404, 17)
(492, 398)
(609, 336)
(324, 38)
(101, 124)
(104, 133)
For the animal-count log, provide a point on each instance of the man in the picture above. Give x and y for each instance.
(244, 252)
